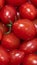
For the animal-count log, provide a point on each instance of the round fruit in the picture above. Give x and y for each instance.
(27, 11)
(30, 60)
(24, 29)
(4, 57)
(29, 47)
(10, 41)
(8, 14)
(16, 57)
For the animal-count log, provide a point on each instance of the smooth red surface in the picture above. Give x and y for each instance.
(4, 57)
(1, 34)
(15, 2)
(30, 60)
(8, 14)
(27, 11)
(29, 47)
(10, 41)
(35, 23)
(2, 3)
(16, 57)
(34, 2)
(24, 29)
(3, 27)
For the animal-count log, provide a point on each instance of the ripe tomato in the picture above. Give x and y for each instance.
(30, 60)
(29, 47)
(16, 57)
(4, 57)
(24, 29)
(2, 3)
(27, 11)
(10, 41)
(15, 2)
(34, 2)
(8, 14)
(35, 23)
(3, 27)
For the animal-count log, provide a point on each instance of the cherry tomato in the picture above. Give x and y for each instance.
(27, 11)
(15, 2)
(34, 2)
(30, 60)
(16, 57)
(2, 3)
(24, 29)
(8, 14)
(10, 41)
(3, 27)
(29, 47)
(4, 57)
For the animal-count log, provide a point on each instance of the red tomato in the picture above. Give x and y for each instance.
(34, 2)
(8, 14)
(27, 11)
(15, 2)
(2, 3)
(16, 57)
(24, 29)
(4, 57)
(3, 28)
(35, 23)
(10, 41)
(29, 47)
(30, 60)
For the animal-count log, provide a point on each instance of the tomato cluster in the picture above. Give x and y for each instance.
(18, 32)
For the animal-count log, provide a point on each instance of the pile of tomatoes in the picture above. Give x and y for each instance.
(18, 32)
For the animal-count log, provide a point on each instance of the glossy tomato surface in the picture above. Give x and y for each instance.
(28, 11)
(15, 2)
(8, 14)
(30, 60)
(3, 27)
(16, 57)
(4, 57)
(24, 29)
(29, 47)
(2, 2)
(10, 41)
(35, 23)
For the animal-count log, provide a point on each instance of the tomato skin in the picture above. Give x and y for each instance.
(4, 57)
(24, 29)
(16, 57)
(28, 11)
(8, 14)
(30, 60)
(15, 2)
(34, 2)
(35, 23)
(29, 47)
(10, 41)
(2, 3)
(3, 27)
(1, 34)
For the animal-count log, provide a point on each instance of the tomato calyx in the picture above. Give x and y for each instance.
(9, 26)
